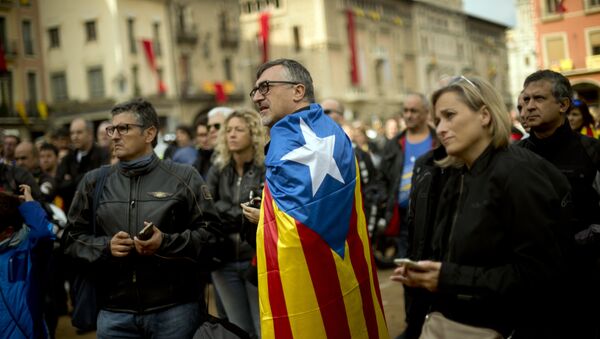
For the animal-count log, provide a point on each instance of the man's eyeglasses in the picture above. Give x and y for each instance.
(264, 87)
(216, 126)
(121, 128)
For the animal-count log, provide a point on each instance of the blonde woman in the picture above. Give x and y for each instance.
(485, 222)
(236, 178)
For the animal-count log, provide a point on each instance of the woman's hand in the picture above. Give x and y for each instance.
(251, 213)
(427, 278)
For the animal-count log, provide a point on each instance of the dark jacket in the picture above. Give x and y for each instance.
(578, 158)
(172, 196)
(70, 172)
(229, 190)
(204, 162)
(499, 229)
(392, 165)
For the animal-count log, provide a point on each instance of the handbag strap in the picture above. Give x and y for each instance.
(100, 181)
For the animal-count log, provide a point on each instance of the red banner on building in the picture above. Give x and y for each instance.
(220, 95)
(149, 51)
(264, 35)
(353, 53)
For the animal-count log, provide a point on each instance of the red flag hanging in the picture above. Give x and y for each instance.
(264, 35)
(3, 67)
(352, 42)
(560, 6)
(149, 51)
(220, 95)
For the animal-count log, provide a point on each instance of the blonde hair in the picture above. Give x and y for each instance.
(257, 134)
(475, 92)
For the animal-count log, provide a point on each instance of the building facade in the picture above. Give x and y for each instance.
(23, 109)
(370, 54)
(101, 52)
(568, 40)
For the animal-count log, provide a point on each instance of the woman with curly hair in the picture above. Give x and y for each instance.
(235, 179)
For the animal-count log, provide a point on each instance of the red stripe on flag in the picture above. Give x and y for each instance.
(325, 281)
(361, 271)
(281, 322)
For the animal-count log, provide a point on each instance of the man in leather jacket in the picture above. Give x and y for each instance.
(146, 288)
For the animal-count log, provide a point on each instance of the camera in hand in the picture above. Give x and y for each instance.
(147, 232)
(254, 199)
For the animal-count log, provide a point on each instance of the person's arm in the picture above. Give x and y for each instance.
(79, 239)
(229, 213)
(203, 222)
(35, 216)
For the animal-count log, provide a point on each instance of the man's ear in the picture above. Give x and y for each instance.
(564, 104)
(299, 92)
(151, 133)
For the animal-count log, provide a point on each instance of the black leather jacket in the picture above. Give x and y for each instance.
(500, 230)
(229, 191)
(175, 198)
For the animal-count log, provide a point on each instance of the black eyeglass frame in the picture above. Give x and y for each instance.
(266, 86)
(122, 129)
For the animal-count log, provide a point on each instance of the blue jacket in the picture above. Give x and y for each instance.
(20, 296)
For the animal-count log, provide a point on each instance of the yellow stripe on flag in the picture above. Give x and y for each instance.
(301, 301)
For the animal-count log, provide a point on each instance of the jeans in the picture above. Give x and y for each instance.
(239, 297)
(179, 321)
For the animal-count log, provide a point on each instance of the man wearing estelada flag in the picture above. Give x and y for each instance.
(316, 277)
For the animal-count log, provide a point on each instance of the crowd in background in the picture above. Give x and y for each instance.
(226, 147)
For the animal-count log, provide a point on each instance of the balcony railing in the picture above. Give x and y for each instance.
(187, 35)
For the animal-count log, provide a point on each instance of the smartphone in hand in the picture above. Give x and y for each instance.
(147, 232)
(410, 264)
(255, 202)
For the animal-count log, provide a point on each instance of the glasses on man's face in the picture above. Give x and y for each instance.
(411, 110)
(216, 126)
(264, 86)
(329, 111)
(121, 128)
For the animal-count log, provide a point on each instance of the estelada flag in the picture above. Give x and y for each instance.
(316, 274)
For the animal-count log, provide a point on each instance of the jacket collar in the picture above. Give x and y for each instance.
(482, 162)
(561, 134)
(137, 170)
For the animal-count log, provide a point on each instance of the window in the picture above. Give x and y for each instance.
(156, 40)
(592, 4)
(551, 6)
(594, 37)
(90, 30)
(136, 83)
(54, 37)
(58, 81)
(297, 39)
(27, 37)
(228, 69)
(131, 35)
(95, 82)
(555, 50)
(32, 98)
(253, 6)
(6, 97)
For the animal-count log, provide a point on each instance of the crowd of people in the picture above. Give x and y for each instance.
(499, 215)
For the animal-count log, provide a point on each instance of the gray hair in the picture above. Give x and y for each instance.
(144, 112)
(561, 87)
(294, 72)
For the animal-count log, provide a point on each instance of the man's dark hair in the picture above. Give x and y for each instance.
(561, 87)
(49, 147)
(187, 130)
(144, 112)
(9, 210)
(295, 72)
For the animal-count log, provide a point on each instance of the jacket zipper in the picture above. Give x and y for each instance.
(237, 198)
(456, 211)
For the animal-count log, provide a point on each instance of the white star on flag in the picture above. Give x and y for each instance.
(317, 154)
